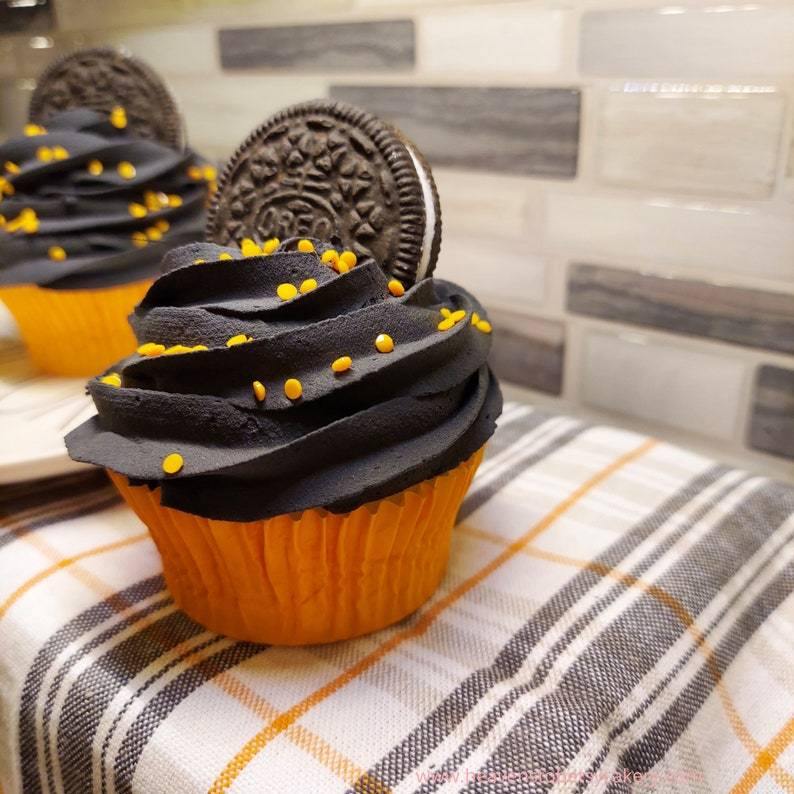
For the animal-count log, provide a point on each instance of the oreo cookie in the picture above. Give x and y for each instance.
(332, 171)
(105, 80)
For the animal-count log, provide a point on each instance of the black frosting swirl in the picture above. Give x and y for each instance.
(87, 215)
(392, 420)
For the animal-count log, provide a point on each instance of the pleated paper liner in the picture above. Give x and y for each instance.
(309, 577)
(75, 332)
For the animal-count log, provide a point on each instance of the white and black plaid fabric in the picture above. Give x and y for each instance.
(618, 615)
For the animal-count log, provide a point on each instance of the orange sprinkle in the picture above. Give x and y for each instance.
(330, 257)
(445, 325)
(484, 326)
(271, 245)
(136, 210)
(305, 246)
(349, 258)
(308, 285)
(112, 379)
(384, 343)
(176, 350)
(118, 117)
(225, 256)
(396, 288)
(126, 170)
(95, 167)
(342, 364)
(151, 349)
(249, 248)
(293, 388)
(56, 253)
(238, 339)
(259, 391)
(286, 291)
(173, 463)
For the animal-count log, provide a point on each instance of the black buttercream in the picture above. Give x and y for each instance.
(88, 216)
(391, 421)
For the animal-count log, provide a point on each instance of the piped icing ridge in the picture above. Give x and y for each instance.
(86, 205)
(345, 390)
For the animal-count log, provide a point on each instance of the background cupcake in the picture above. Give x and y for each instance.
(299, 427)
(93, 193)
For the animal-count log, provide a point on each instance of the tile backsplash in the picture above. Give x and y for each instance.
(616, 176)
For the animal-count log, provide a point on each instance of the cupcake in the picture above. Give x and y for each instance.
(91, 199)
(298, 427)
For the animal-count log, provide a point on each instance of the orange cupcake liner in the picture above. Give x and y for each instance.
(309, 577)
(75, 332)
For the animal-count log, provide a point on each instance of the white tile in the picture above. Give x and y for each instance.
(221, 111)
(14, 100)
(495, 39)
(714, 41)
(165, 49)
(94, 14)
(475, 201)
(717, 140)
(99, 14)
(8, 64)
(646, 378)
(499, 271)
(688, 236)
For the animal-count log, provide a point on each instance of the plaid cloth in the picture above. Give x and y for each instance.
(617, 615)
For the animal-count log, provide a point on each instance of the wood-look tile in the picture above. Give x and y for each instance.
(749, 317)
(348, 46)
(529, 131)
(772, 417)
(527, 351)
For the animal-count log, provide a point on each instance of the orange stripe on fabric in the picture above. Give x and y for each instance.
(765, 759)
(781, 776)
(303, 738)
(66, 562)
(254, 745)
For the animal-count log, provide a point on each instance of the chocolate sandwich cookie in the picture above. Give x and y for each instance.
(331, 171)
(108, 82)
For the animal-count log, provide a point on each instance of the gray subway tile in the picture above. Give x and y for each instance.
(353, 46)
(529, 131)
(772, 418)
(749, 317)
(527, 351)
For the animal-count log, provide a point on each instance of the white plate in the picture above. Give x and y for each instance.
(36, 411)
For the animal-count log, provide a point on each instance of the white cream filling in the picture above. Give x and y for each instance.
(430, 216)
